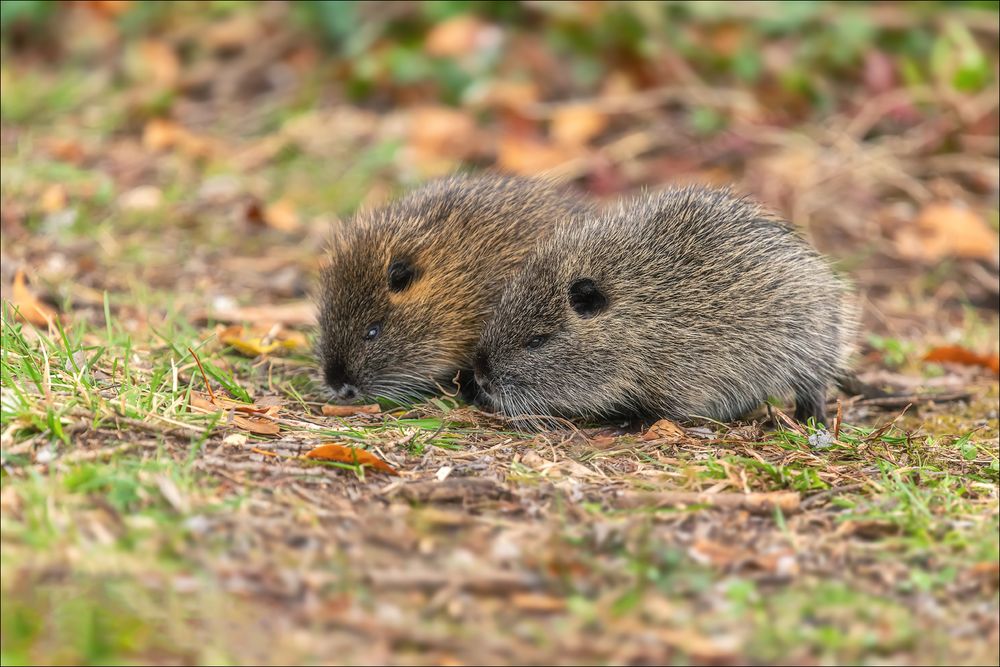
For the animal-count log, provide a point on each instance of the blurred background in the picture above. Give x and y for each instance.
(200, 150)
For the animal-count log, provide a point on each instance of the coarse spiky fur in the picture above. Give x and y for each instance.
(422, 275)
(682, 303)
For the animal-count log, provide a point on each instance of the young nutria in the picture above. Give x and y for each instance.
(687, 303)
(409, 285)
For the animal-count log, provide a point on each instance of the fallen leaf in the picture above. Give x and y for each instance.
(257, 424)
(65, 150)
(257, 341)
(438, 136)
(537, 602)
(348, 410)
(160, 62)
(352, 455)
(956, 354)
(459, 36)
(281, 215)
(575, 125)
(233, 34)
(142, 198)
(110, 8)
(527, 156)
(510, 95)
(161, 134)
(53, 199)
(253, 418)
(665, 430)
(947, 230)
(29, 308)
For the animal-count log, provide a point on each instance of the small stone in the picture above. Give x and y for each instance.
(821, 440)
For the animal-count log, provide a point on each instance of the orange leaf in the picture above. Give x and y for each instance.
(956, 354)
(161, 62)
(576, 124)
(458, 36)
(351, 455)
(348, 410)
(281, 215)
(664, 430)
(53, 199)
(29, 308)
(946, 230)
(530, 156)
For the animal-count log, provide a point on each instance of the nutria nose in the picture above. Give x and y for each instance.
(481, 363)
(336, 376)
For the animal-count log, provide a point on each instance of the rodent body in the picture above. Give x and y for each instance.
(409, 285)
(685, 303)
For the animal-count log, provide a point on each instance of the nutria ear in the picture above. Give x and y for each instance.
(400, 275)
(586, 298)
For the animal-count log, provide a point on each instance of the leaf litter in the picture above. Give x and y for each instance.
(680, 543)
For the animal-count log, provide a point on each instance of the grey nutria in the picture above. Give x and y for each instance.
(690, 302)
(410, 284)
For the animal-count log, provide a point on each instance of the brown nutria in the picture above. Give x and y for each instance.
(687, 303)
(409, 285)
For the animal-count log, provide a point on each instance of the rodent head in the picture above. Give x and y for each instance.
(547, 347)
(383, 329)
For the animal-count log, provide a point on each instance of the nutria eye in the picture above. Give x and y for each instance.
(400, 276)
(535, 342)
(373, 331)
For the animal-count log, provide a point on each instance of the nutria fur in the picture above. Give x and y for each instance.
(409, 285)
(690, 302)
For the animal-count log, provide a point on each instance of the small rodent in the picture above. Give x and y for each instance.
(409, 285)
(690, 302)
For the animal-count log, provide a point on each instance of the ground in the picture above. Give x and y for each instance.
(169, 177)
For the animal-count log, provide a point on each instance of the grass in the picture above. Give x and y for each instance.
(135, 530)
(114, 491)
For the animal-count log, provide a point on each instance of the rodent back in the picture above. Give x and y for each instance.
(707, 297)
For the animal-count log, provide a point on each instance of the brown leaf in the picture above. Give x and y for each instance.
(160, 62)
(576, 124)
(110, 9)
(257, 424)
(65, 150)
(527, 156)
(956, 354)
(439, 135)
(510, 95)
(29, 308)
(248, 417)
(947, 230)
(141, 198)
(457, 36)
(348, 410)
(537, 602)
(53, 199)
(161, 134)
(352, 455)
(665, 430)
(281, 215)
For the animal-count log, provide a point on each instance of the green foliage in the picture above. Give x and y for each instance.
(30, 13)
